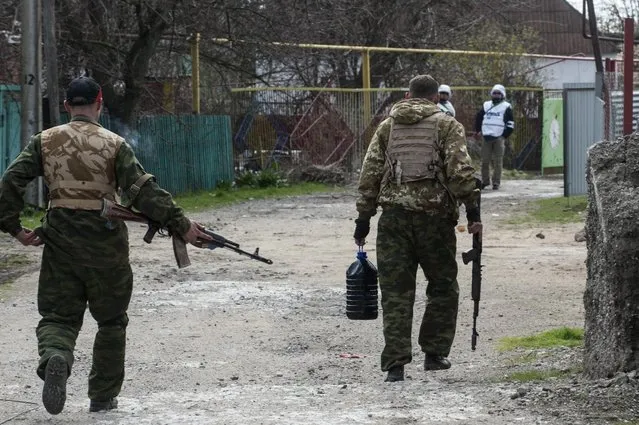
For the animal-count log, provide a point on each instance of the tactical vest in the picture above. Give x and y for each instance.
(413, 151)
(79, 165)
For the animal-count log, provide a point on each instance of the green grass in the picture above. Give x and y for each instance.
(554, 210)
(560, 337)
(204, 200)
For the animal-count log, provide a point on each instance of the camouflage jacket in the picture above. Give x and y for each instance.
(429, 196)
(85, 237)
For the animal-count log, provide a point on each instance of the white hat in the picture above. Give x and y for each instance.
(445, 89)
(499, 88)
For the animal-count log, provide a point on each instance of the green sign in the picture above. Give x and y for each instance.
(552, 143)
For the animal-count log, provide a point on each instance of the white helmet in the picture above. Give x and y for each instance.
(499, 88)
(445, 89)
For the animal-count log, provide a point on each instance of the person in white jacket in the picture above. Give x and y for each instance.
(445, 93)
(495, 122)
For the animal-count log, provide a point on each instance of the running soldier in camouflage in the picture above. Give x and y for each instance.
(86, 257)
(417, 169)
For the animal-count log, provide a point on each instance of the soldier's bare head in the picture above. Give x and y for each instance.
(84, 97)
(424, 87)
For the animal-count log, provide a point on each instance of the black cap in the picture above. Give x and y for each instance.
(83, 91)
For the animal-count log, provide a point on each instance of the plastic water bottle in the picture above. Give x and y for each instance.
(361, 289)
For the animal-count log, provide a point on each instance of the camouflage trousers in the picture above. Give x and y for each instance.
(406, 240)
(63, 292)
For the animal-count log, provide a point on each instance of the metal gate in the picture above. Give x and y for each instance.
(583, 127)
(9, 124)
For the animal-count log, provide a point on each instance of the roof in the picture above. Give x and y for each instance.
(559, 25)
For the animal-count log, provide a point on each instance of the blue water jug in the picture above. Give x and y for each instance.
(361, 289)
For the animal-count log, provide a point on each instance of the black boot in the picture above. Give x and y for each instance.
(54, 391)
(433, 362)
(98, 406)
(395, 373)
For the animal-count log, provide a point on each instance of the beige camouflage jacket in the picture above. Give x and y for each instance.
(428, 196)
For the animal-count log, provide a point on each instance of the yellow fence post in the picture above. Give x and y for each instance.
(366, 84)
(195, 71)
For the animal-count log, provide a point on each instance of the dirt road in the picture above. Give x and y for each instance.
(233, 341)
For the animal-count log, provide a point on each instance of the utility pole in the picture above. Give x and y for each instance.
(51, 58)
(31, 110)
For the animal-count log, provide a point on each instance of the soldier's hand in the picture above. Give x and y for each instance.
(362, 228)
(196, 234)
(28, 237)
(475, 228)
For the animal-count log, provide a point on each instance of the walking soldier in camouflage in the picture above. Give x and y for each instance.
(85, 257)
(417, 169)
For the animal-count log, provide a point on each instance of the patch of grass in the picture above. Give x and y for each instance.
(628, 422)
(560, 337)
(554, 210)
(204, 200)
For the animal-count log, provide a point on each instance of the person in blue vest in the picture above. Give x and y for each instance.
(495, 122)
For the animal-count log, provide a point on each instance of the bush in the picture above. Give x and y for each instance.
(267, 178)
(246, 179)
(261, 179)
(224, 185)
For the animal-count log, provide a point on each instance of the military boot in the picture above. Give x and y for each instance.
(54, 391)
(98, 406)
(434, 362)
(395, 373)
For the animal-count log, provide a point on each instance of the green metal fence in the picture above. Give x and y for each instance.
(9, 124)
(186, 153)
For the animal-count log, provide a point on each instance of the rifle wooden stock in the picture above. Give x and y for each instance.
(111, 210)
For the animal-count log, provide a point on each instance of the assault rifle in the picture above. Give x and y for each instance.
(111, 210)
(474, 255)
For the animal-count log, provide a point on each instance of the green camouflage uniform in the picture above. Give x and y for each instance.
(85, 259)
(417, 227)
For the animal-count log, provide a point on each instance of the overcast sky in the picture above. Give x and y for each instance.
(578, 4)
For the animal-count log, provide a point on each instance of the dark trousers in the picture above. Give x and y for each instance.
(63, 293)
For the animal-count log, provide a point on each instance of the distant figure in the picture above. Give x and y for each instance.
(495, 122)
(445, 93)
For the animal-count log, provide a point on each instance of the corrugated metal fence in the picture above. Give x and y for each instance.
(9, 124)
(187, 152)
(583, 126)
